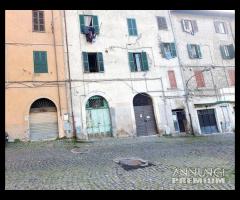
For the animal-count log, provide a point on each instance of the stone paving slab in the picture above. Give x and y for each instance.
(53, 166)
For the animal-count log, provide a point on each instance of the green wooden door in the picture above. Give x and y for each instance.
(98, 117)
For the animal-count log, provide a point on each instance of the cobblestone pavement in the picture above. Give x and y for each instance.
(52, 165)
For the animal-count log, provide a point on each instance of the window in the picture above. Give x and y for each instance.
(40, 62)
(93, 62)
(227, 51)
(87, 21)
(199, 78)
(132, 27)
(162, 23)
(220, 27)
(231, 74)
(168, 50)
(138, 61)
(194, 51)
(172, 79)
(38, 20)
(189, 26)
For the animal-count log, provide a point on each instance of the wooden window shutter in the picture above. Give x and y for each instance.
(40, 62)
(199, 53)
(144, 61)
(162, 23)
(100, 62)
(173, 50)
(224, 56)
(194, 26)
(163, 50)
(134, 26)
(130, 30)
(189, 47)
(231, 51)
(172, 79)
(131, 62)
(82, 23)
(95, 24)
(231, 74)
(183, 25)
(85, 61)
(199, 78)
(216, 25)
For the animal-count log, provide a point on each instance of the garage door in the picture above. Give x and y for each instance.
(43, 120)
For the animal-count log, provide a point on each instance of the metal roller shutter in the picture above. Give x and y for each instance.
(43, 126)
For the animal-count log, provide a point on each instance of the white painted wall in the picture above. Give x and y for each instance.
(114, 42)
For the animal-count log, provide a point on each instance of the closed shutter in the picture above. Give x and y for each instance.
(162, 23)
(216, 25)
(231, 74)
(100, 62)
(82, 23)
(144, 62)
(199, 51)
(199, 78)
(173, 50)
(134, 25)
(40, 62)
(129, 22)
(231, 51)
(189, 47)
(95, 24)
(194, 26)
(172, 79)
(85, 61)
(131, 62)
(43, 126)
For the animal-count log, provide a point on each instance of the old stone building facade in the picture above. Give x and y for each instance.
(125, 73)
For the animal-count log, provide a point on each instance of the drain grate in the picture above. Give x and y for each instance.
(132, 163)
(78, 150)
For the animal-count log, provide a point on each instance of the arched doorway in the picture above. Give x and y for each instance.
(43, 120)
(98, 117)
(144, 115)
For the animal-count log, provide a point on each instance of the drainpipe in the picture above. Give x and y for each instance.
(56, 63)
(181, 70)
(69, 75)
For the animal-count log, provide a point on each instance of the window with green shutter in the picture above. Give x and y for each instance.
(138, 61)
(194, 51)
(40, 62)
(227, 51)
(132, 27)
(168, 50)
(88, 21)
(93, 62)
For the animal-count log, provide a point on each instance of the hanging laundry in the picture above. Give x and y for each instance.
(90, 34)
(168, 55)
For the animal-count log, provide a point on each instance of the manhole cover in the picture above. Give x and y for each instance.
(132, 163)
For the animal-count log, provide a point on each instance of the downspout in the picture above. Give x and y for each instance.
(181, 70)
(69, 75)
(56, 63)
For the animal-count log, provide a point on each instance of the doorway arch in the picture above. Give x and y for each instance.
(43, 120)
(144, 115)
(98, 118)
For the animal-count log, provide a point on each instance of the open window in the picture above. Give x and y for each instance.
(194, 51)
(138, 61)
(168, 50)
(93, 62)
(89, 26)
